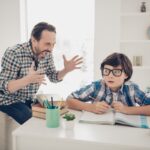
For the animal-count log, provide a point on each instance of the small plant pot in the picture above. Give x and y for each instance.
(69, 125)
(69, 120)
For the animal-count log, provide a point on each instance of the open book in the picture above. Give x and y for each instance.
(112, 117)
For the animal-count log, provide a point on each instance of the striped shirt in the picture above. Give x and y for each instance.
(15, 65)
(129, 94)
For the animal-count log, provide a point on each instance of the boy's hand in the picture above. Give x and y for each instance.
(119, 107)
(100, 107)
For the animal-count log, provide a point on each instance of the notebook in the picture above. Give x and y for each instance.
(112, 118)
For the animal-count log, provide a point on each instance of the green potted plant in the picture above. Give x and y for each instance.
(69, 120)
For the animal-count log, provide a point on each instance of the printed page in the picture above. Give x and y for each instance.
(89, 117)
(132, 120)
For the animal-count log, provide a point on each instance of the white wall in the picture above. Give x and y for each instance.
(10, 24)
(107, 31)
(107, 28)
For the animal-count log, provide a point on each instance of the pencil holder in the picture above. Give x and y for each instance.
(52, 117)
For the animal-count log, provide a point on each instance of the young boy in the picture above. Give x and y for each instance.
(113, 91)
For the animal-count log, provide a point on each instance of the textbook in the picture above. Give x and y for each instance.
(40, 112)
(111, 117)
(57, 100)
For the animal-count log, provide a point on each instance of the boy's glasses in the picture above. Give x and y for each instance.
(115, 72)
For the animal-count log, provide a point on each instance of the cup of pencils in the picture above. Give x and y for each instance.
(52, 114)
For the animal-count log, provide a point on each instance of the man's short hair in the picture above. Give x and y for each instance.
(38, 28)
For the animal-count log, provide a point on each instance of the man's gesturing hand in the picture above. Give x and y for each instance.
(72, 64)
(35, 76)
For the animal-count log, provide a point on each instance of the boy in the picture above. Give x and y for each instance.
(113, 91)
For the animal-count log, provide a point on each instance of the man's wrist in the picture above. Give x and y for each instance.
(65, 71)
(27, 79)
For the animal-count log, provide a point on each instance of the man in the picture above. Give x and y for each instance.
(23, 70)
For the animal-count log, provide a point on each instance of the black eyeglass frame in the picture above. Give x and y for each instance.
(113, 72)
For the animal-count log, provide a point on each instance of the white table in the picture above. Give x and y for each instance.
(34, 135)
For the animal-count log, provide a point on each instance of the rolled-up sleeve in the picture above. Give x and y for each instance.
(83, 93)
(146, 100)
(141, 97)
(10, 68)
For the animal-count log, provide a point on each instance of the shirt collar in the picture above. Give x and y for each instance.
(29, 46)
(108, 90)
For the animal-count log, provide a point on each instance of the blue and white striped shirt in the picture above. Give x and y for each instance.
(129, 94)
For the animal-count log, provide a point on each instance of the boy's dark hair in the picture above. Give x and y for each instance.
(117, 59)
(38, 28)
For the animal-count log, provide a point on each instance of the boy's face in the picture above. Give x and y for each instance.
(113, 76)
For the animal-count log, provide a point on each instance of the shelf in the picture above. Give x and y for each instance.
(135, 41)
(139, 14)
(134, 38)
(141, 67)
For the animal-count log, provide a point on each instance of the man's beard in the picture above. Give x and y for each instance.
(37, 53)
(40, 54)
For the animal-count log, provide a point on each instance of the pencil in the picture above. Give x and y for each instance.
(52, 103)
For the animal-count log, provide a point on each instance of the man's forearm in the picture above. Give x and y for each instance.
(15, 85)
(61, 74)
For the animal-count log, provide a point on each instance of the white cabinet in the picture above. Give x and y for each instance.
(134, 39)
(121, 27)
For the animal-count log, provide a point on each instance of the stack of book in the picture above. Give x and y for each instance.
(56, 98)
(40, 112)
